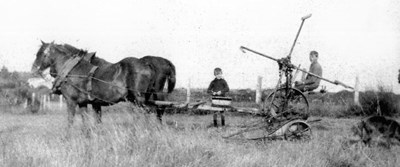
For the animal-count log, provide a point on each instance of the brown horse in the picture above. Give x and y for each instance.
(110, 84)
(163, 71)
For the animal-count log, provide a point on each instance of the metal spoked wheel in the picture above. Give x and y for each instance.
(285, 102)
(298, 131)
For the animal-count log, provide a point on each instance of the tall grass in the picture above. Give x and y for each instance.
(132, 138)
(333, 110)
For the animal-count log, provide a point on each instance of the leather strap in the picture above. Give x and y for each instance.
(67, 67)
(89, 83)
(88, 56)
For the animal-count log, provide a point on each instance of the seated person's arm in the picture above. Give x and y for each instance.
(310, 80)
(317, 70)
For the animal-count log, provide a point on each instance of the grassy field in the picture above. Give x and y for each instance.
(129, 138)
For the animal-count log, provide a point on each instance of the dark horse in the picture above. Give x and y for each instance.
(163, 72)
(110, 84)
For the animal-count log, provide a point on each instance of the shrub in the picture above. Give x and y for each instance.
(380, 102)
(372, 102)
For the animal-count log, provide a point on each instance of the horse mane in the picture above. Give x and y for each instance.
(69, 49)
(81, 52)
(99, 61)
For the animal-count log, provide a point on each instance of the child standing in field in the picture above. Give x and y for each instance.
(218, 87)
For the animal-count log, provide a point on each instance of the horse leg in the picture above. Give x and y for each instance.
(71, 114)
(160, 113)
(145, 100)
(97, 109)
(137, 99)
(84, 114)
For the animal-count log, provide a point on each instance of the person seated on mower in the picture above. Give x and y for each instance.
(218, 87)
(310, 82)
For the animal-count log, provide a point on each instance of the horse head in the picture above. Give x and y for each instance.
(43, 58)
(49, 52)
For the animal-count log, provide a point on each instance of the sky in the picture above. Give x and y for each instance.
(354, 38)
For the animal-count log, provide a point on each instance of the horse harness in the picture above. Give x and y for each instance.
(68, 66)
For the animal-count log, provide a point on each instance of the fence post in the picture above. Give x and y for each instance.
(188, 93)
(47, 99)
(60, 102)
(25, 103)
(258, 90)
(33, 99)
(357, 92)
(40, 99)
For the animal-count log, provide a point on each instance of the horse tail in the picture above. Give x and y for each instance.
(171, 78)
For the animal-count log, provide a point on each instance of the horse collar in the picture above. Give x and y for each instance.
(88, 56)
(65, 69)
